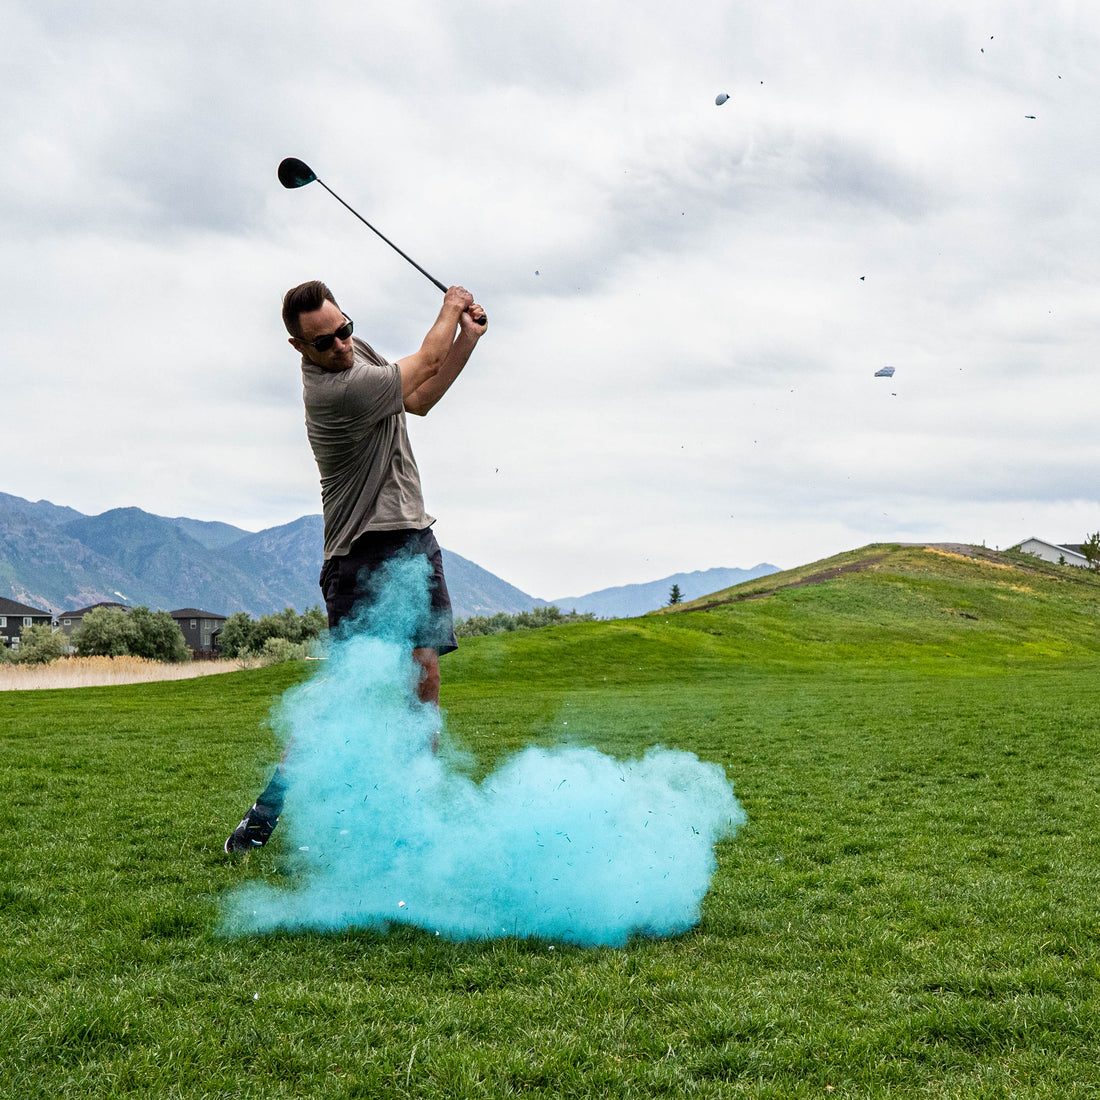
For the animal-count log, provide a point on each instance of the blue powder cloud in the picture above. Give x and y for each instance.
(566, 844)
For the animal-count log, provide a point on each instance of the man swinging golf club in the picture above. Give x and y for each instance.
(355, 404)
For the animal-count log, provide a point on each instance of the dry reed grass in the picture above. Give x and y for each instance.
(71, 672)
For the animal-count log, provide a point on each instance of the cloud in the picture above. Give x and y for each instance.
(685, 382)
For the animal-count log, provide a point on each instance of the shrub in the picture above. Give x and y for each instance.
(277, 650)
(524, 620)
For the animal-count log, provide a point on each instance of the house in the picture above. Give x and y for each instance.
(14, 617)
(201, 629)
(70, 620)
(1068, 552)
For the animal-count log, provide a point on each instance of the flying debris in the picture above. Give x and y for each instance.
(1029, 116)
(720, 98)
(885, 372)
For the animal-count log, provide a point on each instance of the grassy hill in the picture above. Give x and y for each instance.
(888, 601)
(911, 909)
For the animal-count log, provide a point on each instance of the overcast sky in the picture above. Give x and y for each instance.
(687, 302)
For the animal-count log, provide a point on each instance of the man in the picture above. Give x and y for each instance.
(355, 402)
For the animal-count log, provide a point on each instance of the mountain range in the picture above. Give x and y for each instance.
(59, 559)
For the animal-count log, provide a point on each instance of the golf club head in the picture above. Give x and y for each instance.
(295, 173)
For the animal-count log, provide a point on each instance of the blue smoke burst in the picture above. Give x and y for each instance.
(566, 844)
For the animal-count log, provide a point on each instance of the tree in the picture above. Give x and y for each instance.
(242, 636)
(674, 595)
(115, 632)
(104, 632)
(285, 624)
(314, 623)
(157, 636)
(1091, 550)
(236, 635)
(40, 644)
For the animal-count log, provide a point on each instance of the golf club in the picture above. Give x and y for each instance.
(296, 173)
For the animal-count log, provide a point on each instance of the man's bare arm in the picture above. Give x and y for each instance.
(417, 368)
(471, 327)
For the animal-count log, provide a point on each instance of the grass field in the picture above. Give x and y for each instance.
(911, 910)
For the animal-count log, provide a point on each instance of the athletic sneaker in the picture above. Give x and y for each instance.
(253, 832)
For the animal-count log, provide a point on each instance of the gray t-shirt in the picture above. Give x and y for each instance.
(355, 421)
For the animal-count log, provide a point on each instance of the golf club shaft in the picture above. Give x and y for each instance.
(383, 236)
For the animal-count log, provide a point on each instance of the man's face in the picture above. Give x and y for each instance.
(324, 322)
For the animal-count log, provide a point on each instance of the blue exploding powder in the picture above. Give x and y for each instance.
(566, 844)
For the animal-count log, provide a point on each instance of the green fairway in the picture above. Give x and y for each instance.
(910, 911)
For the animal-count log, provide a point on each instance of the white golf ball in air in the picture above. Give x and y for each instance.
(720, 99)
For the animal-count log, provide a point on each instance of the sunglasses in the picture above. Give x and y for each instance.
(323, 343)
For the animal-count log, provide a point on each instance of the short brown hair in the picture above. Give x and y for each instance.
(304, 298)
